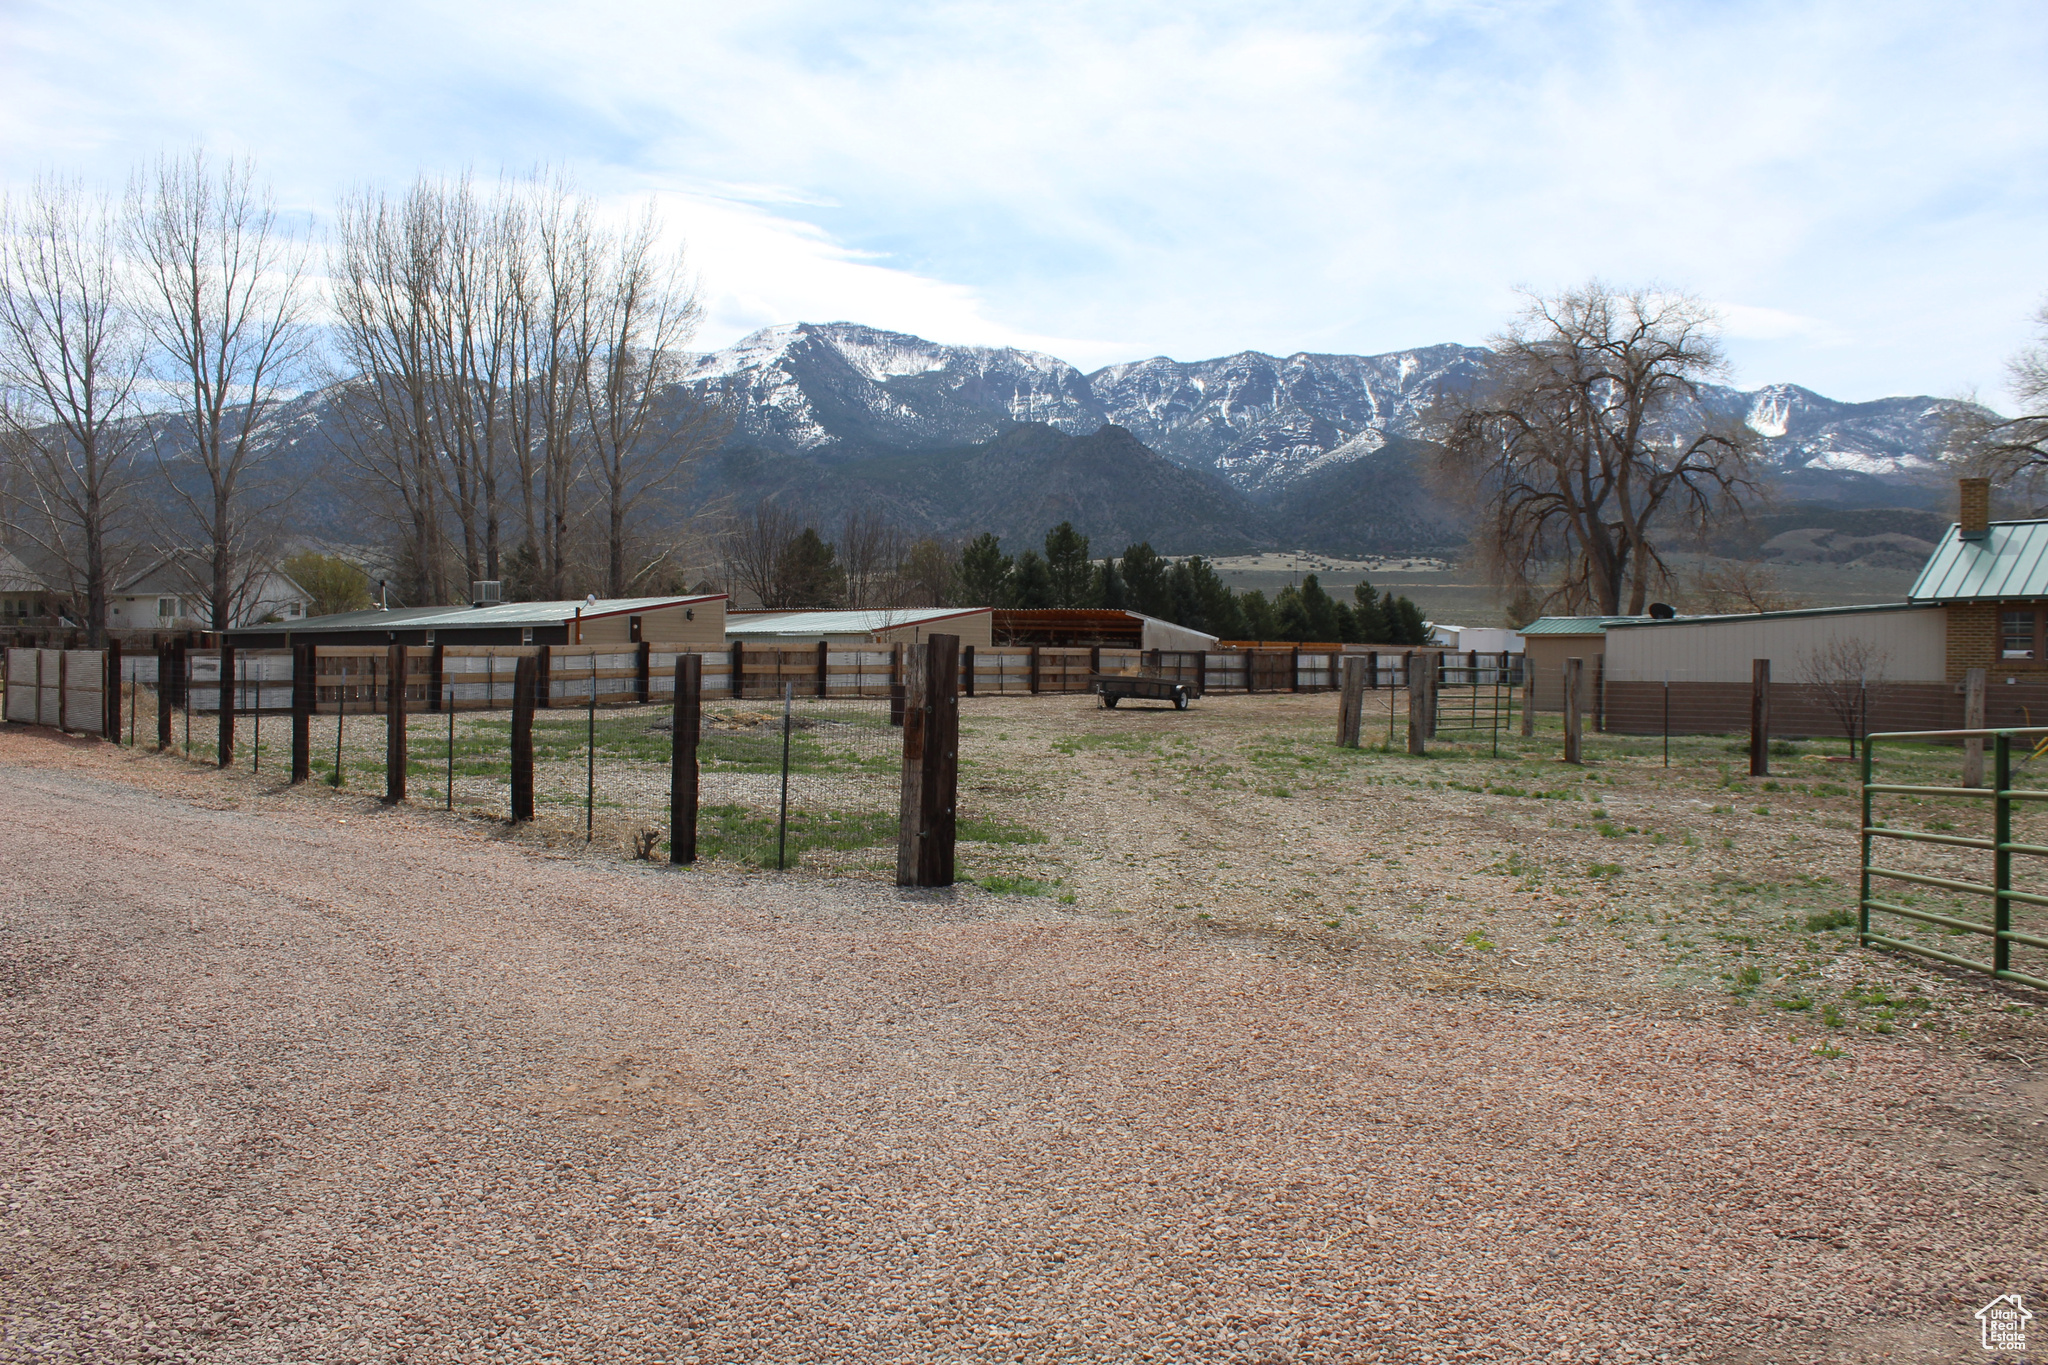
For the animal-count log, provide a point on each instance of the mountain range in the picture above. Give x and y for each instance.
(1222, 456)
(1243, 451)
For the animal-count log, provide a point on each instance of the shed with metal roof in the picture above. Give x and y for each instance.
(897, 625)
(696, 619)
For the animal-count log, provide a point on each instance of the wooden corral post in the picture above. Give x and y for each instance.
(1574, 722)
(544, 661)
(966, 676)
(1417, 673)
(739, 669)
(1095, 658)
(1600, 695)
(110, 694)
(1372, 669)
(643, 672)
(227, 706)
(824, 667)
(1528, 699)
(1201, 672)
(394, 725)
(1351, 709)
(1760, 718)
(304, 683)
(1432, 675)
(63, 690)
(525, 686)
(931, 766)
(897, 687)
(166, 660)
(1294, 669)
(1034, 670)
(1973, 719)
(437, 677)
(682, 760)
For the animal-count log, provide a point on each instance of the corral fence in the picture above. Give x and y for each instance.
(1949, 849)
(751, 753)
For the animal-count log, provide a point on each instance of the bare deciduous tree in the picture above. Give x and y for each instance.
(643, 426)
(871, 552)
(1843, 672)
(1582, 446)
(1734, 586)
(224, 298)
(70, 360)
(2011, 450)
(755, 545)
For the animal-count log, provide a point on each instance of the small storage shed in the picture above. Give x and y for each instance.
(1550, 640)
(875, 626)
(698, 620)
(1113, 628)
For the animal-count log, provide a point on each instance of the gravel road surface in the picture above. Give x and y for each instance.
(290, 1078)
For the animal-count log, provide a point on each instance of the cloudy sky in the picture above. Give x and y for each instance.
(1859, 187)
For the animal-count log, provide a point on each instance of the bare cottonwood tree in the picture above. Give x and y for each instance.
(871, 551)
(1843, 672)
(1734, 586)
(2011, 450)
(644, 427)
(224, 297)
(1582, 445)
(71, 358)
(754, 545)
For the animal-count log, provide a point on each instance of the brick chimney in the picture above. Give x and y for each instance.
(1975, 521)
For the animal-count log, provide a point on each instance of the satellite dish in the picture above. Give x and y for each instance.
(590, 599)
(1662, 611)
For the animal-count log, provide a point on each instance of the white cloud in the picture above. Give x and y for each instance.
(1191, 178)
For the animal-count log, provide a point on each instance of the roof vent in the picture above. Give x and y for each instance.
(487, 592)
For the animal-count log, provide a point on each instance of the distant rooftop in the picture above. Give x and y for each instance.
(498, 614)
(1577, 625)
(811, 625)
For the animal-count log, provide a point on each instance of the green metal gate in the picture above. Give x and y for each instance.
(1999, 843)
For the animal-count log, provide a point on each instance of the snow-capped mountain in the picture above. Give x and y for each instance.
(1262, 424)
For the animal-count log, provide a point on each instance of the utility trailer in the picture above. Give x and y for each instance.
(1114, 687)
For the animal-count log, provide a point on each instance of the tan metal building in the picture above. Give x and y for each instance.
(861, 627)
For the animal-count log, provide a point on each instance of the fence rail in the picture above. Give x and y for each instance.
(2006, 800)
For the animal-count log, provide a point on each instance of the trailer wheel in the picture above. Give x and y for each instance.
(1180, 699)
(1109, 699)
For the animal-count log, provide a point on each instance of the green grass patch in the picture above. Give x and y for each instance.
(741, 834)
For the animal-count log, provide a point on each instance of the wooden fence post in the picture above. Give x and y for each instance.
(227, 706)
(304, 683)
(1034, 670)
(1294, 669)
(166, 660)
(931, 740)
(1760, 718)
(63, 690)
(897, 687)
(437, 677)
(739, 669)
(1574, 674)
(1094, 661)
(110, 694)
(544, 669)
(824, 667)
(1528, 699)
(1973, 719)
(966, 675)
(1351, 709)
(643, 672)
(1418, 703)
(525, 684)
(682, 761)
(1600, 695)
(394, 725)
(1372, 669)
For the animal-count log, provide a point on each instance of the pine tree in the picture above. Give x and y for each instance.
(985, 573)
(1109, 591)
(1373, 626)
(1066, 560)
(1031, 582)
(806, 576)
(1290, 615)
(1320, 611)
(1145, 580)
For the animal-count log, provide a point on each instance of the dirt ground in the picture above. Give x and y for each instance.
(1267, 1053)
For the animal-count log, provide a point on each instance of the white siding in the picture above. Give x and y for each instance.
(1913, 641)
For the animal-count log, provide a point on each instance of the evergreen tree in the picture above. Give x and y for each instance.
(1372, 620)
(1320, 611)
(1066, 560)
(1259, 621)
(1109, 591)
(1347, 625)
(1290, 615)
(1216, 606)
(806, 576)
(1413, 630)
(1145, 580)
(985, 573)
(1031, 582)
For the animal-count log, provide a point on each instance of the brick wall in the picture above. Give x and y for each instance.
(1973, 642)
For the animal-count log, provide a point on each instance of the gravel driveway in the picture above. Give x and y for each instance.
(290, 1078)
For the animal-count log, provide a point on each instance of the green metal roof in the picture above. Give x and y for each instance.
(502, 614)
(1577, 625)
(2009, 561)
